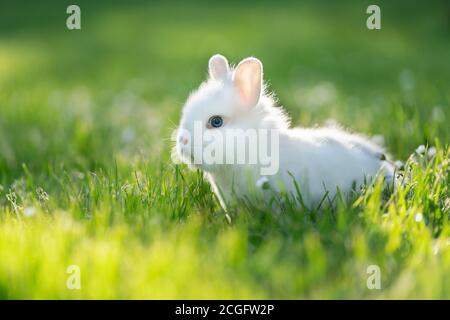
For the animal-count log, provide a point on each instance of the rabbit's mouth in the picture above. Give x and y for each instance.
(185, 155)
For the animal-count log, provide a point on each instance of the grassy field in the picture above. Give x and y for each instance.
(85, 171)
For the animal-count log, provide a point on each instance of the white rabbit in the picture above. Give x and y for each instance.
(321, 160)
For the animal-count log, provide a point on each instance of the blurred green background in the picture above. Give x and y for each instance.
(85, 173)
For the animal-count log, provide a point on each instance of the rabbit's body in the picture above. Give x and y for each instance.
(321, 160)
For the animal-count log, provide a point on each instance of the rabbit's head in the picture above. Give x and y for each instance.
(229, 99)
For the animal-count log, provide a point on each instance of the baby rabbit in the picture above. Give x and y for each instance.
(317, 161)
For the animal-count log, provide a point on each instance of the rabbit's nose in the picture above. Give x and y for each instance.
(183, 140)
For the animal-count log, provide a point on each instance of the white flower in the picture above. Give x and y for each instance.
(418, 217)
(29, 211)
(262, 183)
(431, 152)
(398, 164)
(421, 149)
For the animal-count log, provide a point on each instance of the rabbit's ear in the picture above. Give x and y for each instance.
(248, 81)
(218, 67)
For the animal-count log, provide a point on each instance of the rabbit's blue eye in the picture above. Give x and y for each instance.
(216, 122)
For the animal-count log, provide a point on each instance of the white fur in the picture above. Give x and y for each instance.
(322, 160)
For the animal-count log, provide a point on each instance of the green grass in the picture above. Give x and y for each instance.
(85, 171)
